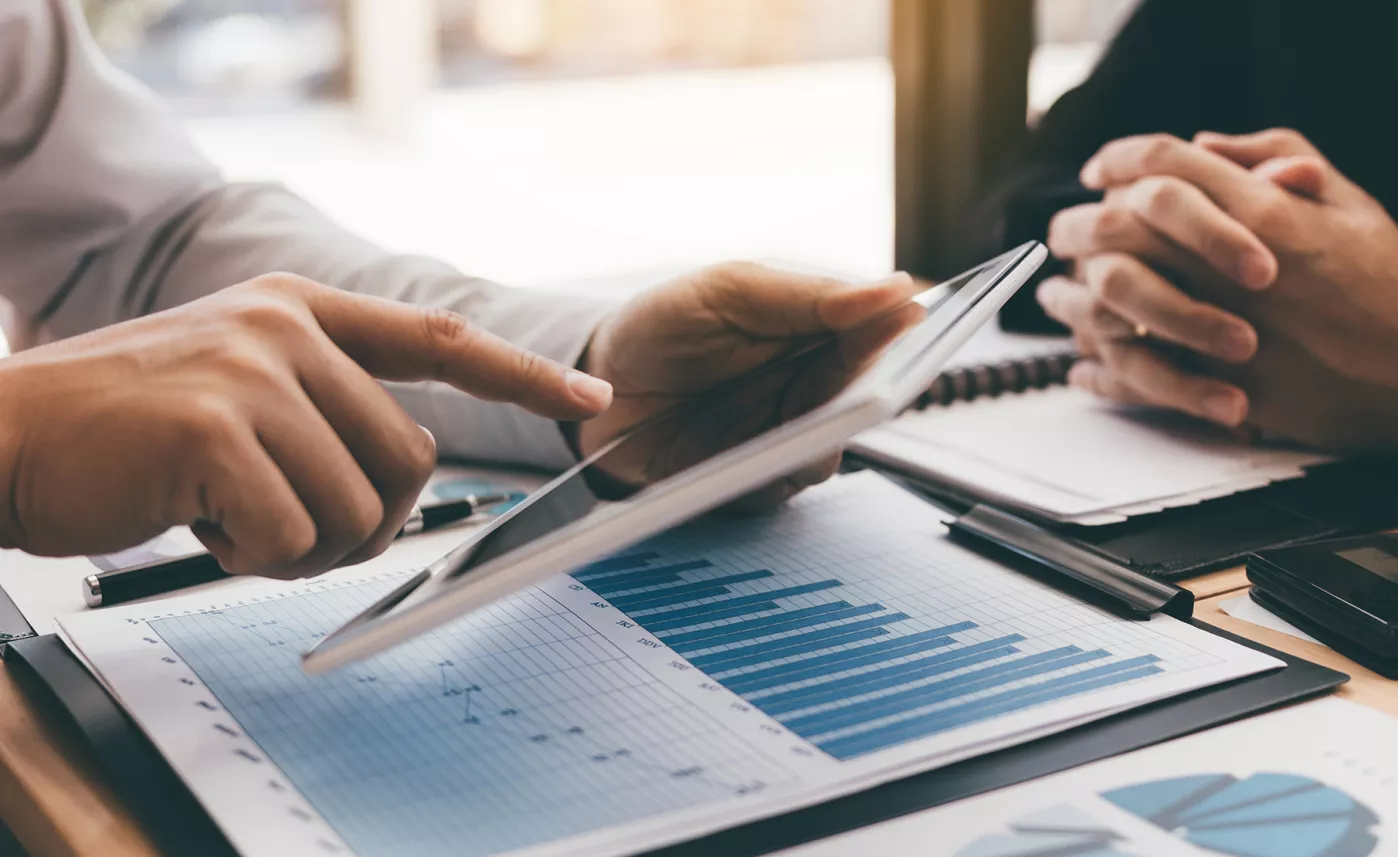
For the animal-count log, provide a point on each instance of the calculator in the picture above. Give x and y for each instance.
(1343, 592)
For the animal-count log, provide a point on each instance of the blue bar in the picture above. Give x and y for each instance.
(854, 658)
(876, 680)
(669, 596)
(616, 563)
(757, 624)
(785, 647)
(606, 578)
(799, 624)
(686, 612)
(632, 580)
(687, 596)
(941, 691)
(721, 611)
(924, 725)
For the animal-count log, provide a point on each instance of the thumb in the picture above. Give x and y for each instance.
(396, 341)
(767, 302)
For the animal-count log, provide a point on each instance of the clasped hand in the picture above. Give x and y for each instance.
(1241, 279)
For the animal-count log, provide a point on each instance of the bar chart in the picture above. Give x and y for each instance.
(728, 669)
(844, 676)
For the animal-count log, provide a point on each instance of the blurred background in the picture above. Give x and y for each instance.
(552, 141)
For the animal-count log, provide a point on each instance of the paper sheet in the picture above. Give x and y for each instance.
(1248, 610)
(724, 671)
(1070, 457)
(1317, 780)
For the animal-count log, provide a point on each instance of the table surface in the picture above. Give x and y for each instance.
(54, 800)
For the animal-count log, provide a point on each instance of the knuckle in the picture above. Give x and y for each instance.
(1102, 318)
(239, 359)
(1224, 248)
(1271, 215)
(1161, 197)
(281, 283)
(420, 455)
(1284, 136)
(210, 420)
(1112, 280)
(296, 542)
(529, 367)
(737, 270)
(1109, 226)
(444, 328)
(291, 544)
(445, 332)
(272, 314)
(364, 513)
(1157, 151)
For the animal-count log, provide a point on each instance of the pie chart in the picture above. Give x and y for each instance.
(1265, 815)
(1059, 831)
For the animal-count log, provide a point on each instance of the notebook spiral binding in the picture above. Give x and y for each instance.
(1013, 376)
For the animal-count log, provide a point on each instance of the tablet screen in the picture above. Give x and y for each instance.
(811, 375)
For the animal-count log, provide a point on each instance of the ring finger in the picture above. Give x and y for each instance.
(1134, 292)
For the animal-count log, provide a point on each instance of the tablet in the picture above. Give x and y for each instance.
(735, 439)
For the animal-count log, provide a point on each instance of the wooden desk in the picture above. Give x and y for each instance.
(52, 798)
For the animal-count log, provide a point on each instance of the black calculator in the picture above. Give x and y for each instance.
(1343, 592)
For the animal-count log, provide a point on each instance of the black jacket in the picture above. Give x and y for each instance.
(1328, 68)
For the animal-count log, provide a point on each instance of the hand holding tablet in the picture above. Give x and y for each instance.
(744, 430)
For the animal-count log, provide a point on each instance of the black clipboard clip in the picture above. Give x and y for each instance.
(1117, 587)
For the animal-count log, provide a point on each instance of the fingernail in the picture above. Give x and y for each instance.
(1256, 271)
(1236, 342)
(592, 390)
(1091, 175)
(1225, 408)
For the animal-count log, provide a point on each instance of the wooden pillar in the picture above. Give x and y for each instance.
(961, 86)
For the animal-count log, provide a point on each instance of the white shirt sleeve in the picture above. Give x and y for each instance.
(107, 212)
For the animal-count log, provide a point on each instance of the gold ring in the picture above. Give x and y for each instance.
(1141, 331)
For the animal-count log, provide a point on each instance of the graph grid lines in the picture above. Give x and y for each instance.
(846, 619)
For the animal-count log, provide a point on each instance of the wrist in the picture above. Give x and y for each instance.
(11, 446)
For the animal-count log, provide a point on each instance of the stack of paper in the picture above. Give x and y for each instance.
(1066, 456)
(724, 671)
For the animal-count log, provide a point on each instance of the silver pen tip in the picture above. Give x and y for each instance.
(92, 590)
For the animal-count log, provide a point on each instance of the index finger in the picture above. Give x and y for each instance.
(401, 342)
(1132, 158)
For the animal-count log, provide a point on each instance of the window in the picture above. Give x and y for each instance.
(491, 40)
(215, 54)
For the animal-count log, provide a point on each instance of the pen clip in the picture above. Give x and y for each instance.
(1125, 589)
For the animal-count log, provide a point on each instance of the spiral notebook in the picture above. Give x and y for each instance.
(1011, 432)
(1155, 492)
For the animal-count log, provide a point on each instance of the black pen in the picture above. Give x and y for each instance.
(168, 575)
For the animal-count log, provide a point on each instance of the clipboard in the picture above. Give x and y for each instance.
(54, 677)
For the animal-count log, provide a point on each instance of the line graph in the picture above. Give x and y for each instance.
(521, 696)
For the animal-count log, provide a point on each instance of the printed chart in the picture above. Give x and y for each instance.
(1264, 815)
(724, 670)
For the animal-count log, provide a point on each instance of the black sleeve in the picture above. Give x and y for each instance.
(1177, 66)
